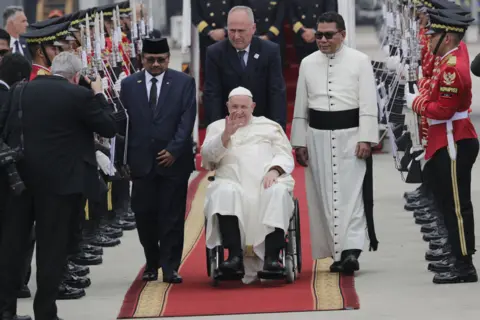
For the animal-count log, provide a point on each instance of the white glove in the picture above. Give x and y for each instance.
(386, 50)
(420, 73)
(104, 84)
(122, 76)
(118, 85)
(393, 63)
(104, 164)
(411, 96)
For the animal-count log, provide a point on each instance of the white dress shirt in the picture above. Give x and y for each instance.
(12, 45)
(148, 82)
(245, 56)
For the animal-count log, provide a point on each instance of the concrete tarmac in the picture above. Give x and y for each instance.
(393, 283)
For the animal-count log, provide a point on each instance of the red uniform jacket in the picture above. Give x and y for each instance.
(450, 92)
(108, 48)
(38, 70)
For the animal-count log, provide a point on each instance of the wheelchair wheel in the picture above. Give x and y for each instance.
(213, 266)
(298, 237)
(289, 269)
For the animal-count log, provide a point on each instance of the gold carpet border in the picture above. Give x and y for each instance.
(153, 297)
(326, 286)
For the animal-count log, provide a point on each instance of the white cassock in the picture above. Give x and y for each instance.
(238, 187)
(334, 177)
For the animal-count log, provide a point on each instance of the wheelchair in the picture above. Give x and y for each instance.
(290, 255)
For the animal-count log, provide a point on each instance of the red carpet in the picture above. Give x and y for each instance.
(315, 290)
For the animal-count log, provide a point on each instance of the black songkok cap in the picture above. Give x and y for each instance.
(50, 22)
(440, 24)
(155, 46)
(441, 4)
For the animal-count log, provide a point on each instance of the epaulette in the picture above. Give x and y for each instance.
(42, 72)
(452, 61)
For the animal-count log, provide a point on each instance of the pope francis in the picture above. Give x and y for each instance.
(249, 204)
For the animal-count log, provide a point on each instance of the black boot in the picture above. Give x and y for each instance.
(86, 259)
(420, 204)
(422, 212)
(101, 240)
(425, 219)
(274, 243)
(436, 234)
(463, 271)
(438, 254)
(444, 265)
(439, 243)
(430, 227)
(111, 232)
(80, 271)
(88, 248)
(74, 281)
(66, 292)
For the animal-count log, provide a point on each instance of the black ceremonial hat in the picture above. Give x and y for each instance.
(441, 4)
(124, 8)
(49, 22)
(457, 15)
(155, 46)
(46, 35)
(439, 24)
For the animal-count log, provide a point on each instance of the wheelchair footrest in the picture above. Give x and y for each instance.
(227, 276)
(271, 275)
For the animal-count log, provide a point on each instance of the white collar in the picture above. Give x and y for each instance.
(149, 77)
(5, 84)
(247, 49)
(446, 54)
(12, 40)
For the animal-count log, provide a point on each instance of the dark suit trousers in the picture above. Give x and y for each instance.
(53, 216)
(120, 195)
(159, 204)
(451, 182)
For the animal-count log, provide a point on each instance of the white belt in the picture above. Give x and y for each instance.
(449, 122)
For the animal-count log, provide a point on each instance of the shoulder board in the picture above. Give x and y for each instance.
(42, 72)
(452, 61)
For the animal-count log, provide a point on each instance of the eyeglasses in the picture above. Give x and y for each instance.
(328, 35)
(152, 60)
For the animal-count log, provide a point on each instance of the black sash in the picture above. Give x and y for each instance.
(368, 204)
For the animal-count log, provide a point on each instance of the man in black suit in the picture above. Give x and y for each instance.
(162, 106)
(58, 167)
(13, 68)
(16, 24)
(244, 60)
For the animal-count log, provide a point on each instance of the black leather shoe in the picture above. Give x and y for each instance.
(444, 265)
(76, 281)
(233, 265)
(411, 194)
(456, 275)
(422, 203)
(86, 259)
(435, 235)
(24, 292)
(421, 212)
(350, 264)
(88, 248)
(124, 225)
(128, 216)
(336, 266)
(438, 254)
(101, 240)
(172, 277)
(428, 218)
(272, 265)
(150, 274)
(430, 227)
(8, 316)
(80, 271)
(66, 292)
(439, 243)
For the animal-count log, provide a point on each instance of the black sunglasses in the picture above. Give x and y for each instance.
(328, 35)
(152, 60)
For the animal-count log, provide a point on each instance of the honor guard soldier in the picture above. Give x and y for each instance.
(452, 144)
(303, 18)
(210, 18)
(269, 17)
(41, 44)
